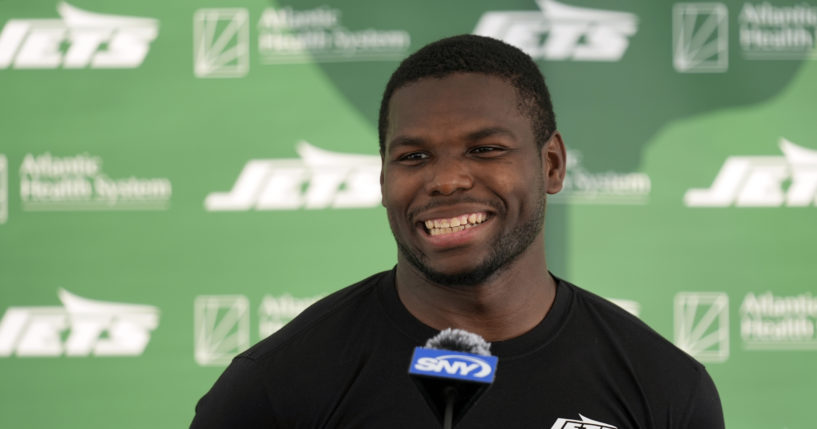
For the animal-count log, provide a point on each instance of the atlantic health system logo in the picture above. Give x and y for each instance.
(764, 32)
(702, 325)
(700, 37)
(221, 42)
(222, 328)
(582, 186)
(78, 182)
(222, 323)
(94, 40)
(287, 36)
(770, 321)
(562, 32)
(778, 32)
(94, 328)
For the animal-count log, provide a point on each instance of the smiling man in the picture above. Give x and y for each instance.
(470, 151)
(464, 182)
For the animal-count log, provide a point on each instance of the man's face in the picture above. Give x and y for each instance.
(463, 181)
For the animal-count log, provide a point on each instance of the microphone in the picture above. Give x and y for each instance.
(452, 371)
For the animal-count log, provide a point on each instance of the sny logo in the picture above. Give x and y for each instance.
(330, 179)
(95, 327)
(569, 32)
(101, 41)
(450, 364)
(454, 364)
(758, 181)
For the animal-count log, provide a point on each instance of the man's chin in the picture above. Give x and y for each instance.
(461, 276)
(469, 278)
(455, 272)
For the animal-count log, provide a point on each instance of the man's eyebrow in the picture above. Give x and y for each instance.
(490, 132)
(404, 141)
(472, 136)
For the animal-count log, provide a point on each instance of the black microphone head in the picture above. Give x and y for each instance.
(459, 340)
(452, 371)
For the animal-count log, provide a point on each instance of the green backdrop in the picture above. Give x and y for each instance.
(179, 179)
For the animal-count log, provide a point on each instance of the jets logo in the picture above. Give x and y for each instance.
(760, 181)
(562, 32)
(93, 40)
(319, 180)
(94, 328)
(584, 423)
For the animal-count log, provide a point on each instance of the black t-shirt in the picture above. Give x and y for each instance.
(343, 363)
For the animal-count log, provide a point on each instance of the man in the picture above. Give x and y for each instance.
(469, 152)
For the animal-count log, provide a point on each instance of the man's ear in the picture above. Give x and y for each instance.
(382, 165)
(554, 162)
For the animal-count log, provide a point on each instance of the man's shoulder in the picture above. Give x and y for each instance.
(298, 375)
(641, 355)
(329, 320)
(626, 330)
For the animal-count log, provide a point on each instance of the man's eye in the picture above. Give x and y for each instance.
(486, 150)
(413, 156)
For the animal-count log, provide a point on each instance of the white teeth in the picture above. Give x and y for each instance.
(441, 231)
(454, 224)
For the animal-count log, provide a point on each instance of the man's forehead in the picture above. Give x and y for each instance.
(452, 93)
(485, 102)
(454, 80)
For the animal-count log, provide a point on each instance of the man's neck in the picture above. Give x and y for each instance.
(508, 304)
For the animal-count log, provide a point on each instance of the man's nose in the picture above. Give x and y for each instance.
(447, 176)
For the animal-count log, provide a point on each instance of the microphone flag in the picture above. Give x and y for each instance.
(451, 381)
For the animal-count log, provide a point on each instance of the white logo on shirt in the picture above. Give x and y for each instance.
(584, 423)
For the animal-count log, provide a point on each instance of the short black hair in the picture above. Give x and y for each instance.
(469, 53)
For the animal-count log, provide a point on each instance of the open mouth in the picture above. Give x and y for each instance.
(442, 226)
